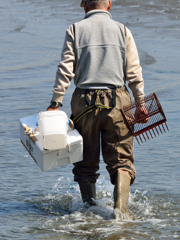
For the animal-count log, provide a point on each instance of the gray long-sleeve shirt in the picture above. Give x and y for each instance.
(131, 70)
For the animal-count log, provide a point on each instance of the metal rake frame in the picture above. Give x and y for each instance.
(157, 118)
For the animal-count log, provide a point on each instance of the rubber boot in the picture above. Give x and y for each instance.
(88, 192)
(121, 195)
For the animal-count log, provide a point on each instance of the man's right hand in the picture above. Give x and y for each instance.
(51, 108)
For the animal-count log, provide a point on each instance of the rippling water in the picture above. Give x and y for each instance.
(36, 205)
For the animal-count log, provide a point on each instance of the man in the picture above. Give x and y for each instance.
(101, 55)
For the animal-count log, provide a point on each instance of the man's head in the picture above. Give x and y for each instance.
(96, 4)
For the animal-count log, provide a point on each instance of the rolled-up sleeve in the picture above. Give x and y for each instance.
(65, 71)
(133, 68)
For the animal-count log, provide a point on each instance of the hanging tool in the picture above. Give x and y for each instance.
(145, 118)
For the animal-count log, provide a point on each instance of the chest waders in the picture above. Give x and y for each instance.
(94, 99)
(94, 105)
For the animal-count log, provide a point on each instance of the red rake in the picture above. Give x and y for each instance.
(155, 113)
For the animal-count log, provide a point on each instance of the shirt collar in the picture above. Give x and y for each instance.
(97, 11)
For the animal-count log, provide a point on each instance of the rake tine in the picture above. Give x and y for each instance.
(151, 134)
(160, 129)
(147, 135)
(167, 126)
(140, 138)
(154, 132)
(163, 128)
(144, 137)
(138, 141)
(157, 130)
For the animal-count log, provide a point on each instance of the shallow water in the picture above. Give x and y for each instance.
(36, 205)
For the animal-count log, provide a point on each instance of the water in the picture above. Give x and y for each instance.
(36, 205)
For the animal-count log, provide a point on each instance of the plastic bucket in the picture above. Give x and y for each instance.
(52, 126)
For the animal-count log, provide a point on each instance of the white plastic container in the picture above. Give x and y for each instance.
(52, 125)
(45, 159)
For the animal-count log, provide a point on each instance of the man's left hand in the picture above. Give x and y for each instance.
(141, 113)
(51, 108)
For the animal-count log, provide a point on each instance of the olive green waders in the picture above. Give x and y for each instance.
(105, 127)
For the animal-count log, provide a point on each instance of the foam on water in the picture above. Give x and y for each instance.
(67, 214)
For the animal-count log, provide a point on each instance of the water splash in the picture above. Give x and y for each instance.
(69, 216)
(65, 200)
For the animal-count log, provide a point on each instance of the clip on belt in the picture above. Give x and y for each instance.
(155, 120)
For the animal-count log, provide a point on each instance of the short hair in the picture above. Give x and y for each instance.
(96, 3)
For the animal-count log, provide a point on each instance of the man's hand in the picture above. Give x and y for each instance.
(141, 113)
(51, 108)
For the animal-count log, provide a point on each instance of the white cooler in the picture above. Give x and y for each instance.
(49, 159)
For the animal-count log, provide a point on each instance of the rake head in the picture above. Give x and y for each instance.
(147, 124)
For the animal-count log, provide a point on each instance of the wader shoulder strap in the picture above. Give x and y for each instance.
(74, 29)
(74, 48)
(125, 30)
